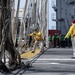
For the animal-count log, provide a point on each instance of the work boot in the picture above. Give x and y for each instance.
(33, 51)
(41, 51)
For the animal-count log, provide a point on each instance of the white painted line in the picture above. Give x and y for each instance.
(46, 63)
(54, 59)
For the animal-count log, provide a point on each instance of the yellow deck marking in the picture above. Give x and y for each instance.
(29, 54)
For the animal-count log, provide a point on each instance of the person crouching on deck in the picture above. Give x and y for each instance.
(72, 33)
(38, 39)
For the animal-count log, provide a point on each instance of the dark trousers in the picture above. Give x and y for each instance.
(54, 43)
(70, 43)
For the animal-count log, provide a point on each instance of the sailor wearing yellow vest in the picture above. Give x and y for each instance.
(38, 39)
(72, 33)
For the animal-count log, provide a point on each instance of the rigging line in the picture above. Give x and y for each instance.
(16, 21)
(3, 37)
(22, 22)
(29, 63)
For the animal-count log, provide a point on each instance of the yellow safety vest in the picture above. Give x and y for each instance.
(71, 31)
(37, 36)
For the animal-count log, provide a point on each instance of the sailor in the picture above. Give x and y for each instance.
(72, 33)
(37, 39)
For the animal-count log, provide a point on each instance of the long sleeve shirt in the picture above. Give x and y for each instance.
(71, 31)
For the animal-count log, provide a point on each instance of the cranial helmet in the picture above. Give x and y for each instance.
(36, 29)
(73, 21)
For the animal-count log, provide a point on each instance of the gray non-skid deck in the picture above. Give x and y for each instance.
(54, 61)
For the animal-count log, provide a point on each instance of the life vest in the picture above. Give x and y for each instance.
(37, 36)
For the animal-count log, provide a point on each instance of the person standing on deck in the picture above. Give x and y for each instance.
(38, 39)
(72, 33)
(50, 40)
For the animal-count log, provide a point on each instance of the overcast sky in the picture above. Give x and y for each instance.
(22, 2)
(52, 24)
